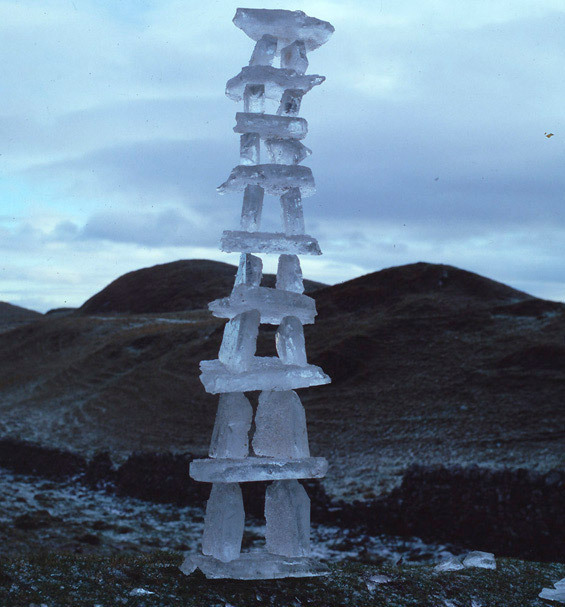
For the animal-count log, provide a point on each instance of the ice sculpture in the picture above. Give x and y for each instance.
(280, 443)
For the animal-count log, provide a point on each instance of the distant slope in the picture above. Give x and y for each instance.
(170, 287)
(430, 364)
(12, 316)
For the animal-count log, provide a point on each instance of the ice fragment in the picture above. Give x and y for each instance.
(484, 560)
(271, 125)
(557, 593)
(280, 426)
(290, 102)
(264, 51)
(252, 208)
(289, 274)
(286, 151)
(275, 179)
(453, 563)
(223, 523)
(292, 213)
(230, 437)
(290, 343)
(254, 98)
(249, 148)
(287, 513)
(249, 272)
(268, 242)
(294, 57)
(239, 342)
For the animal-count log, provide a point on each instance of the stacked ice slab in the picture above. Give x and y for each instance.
(280, 450)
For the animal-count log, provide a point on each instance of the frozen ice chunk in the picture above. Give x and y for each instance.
(275, 79)
(254, 98)
(284, 25)
(287, 514)
(275, 179)
(289, 274)
(292, 213)
(293, 57)
(223, 523)
(484, 560)
(249, 148)
(249, 272)
(230, 437)
(286, 151)
(268, 242)
(257, 565)
(290, 343)
(268, 373)
(271, 125)
(252, 208)
(557, 593)
(280, 426)
(453, 563)
(264, 51)
(273, 304)
(251, 469)
(239, 342)
(290, 102)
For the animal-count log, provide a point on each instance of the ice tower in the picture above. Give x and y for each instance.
(280, 450)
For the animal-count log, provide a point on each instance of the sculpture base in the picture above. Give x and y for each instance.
(259, 565)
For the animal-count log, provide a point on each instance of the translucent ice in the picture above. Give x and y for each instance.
(268, 373)
(252, 208)
(286, 26)
(252, 469)
(293, 57)
(264, 51)
(272, 304)
(249, 148)
(290, 102)
(275, 179)
(557, 593)
(249, 272)
(289, 274)
(275, 79)
(280, 426)
(286, 151)
(271, 125)
(239, 342)
(290, 343)
(484, 560)
(287, 514)
(254, 98)
(269, 242)
(230, 437)
(453, 563)
(223, 523)
(292, 213)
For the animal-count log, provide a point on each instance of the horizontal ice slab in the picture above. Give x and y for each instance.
(271, 125)
(269, 242)
(259, 565)
(286, 26)
(273, 304)
(275, 80)
(251, 469)
(275, 179)
(263, 373)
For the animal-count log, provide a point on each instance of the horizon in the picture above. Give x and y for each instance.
(436, 135)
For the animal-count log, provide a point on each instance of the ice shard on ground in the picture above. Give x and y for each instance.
(281, 452)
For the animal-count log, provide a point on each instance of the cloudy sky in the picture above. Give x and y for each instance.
(429, 139)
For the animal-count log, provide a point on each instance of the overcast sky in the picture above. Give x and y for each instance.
(429, 139)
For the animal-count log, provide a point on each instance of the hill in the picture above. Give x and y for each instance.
(12, 316)
(430, 364)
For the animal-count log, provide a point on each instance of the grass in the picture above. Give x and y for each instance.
(57, 579)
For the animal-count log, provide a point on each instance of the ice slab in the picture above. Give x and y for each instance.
(275, 179)
(290, 343)
(275, 80)
(252, 208)
(254, 98)
(453, 563)
(287, 514)
(223, 523)
(293, 57)
(268, 373)
(249, 274)
(483, 560)
(251, 469)
(271, 125)
(289, 274)
(239, 342)
(280, 426)
(286, 151)
(557, 593)
(250, 149)
(292, 212)
(230, 437)
(259, 565)
(272, 304)
(269, 242)
(290, 102)
(287, 26)
(264, 51)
